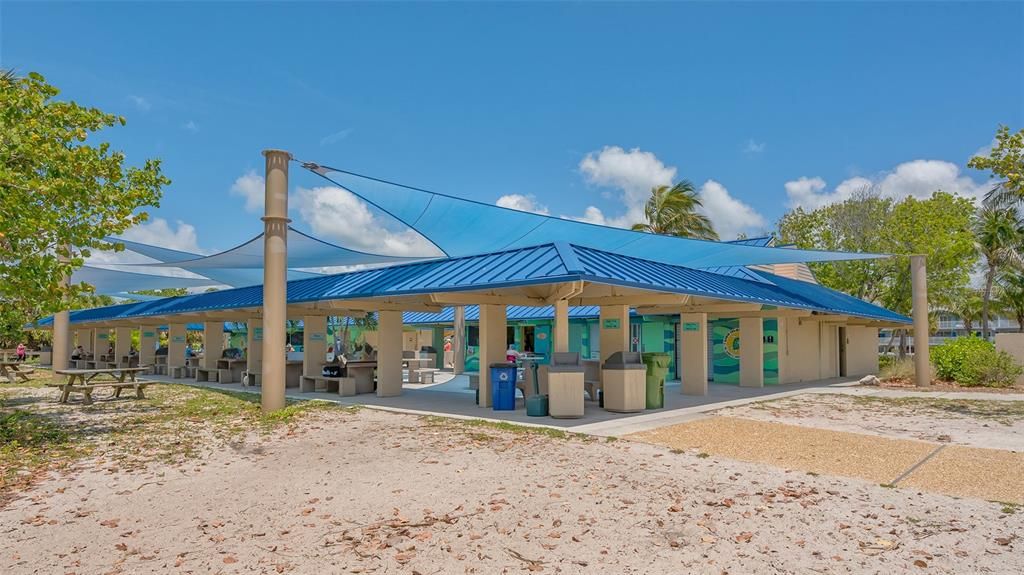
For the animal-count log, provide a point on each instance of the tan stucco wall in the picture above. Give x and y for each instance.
(799, 351)
(829, 351)
(861, 351)
(1013, 344)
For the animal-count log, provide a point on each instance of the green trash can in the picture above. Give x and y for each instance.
(657, 370)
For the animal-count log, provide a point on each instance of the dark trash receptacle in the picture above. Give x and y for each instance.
(503, 386)
(657, 370)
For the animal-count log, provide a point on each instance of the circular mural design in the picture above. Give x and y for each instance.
(732, 343)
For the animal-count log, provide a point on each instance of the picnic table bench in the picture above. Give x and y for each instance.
(12, 370)
(86, 385)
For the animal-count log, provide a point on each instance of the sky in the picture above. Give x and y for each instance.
(571, 109)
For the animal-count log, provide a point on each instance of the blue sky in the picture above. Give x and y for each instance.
(574, 108)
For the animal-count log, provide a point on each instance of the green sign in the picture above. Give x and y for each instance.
(691, 326)
(178, 339)
(103, 336)
(317, 337)
(611, 324)
(149, 334)
(257, 334)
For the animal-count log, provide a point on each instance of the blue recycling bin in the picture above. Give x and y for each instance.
(503, 386)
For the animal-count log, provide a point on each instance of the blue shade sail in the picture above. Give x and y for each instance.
(114, 282)
(304, 251)
(462, 227)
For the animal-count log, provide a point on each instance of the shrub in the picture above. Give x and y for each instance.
(972, 361)
(896, 369)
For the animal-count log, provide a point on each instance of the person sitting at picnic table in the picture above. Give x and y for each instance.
(21, 352)
(78, 352)
(110, 350)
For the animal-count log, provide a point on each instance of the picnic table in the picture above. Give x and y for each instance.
(123, 377)
(12, 370)
(415, 365)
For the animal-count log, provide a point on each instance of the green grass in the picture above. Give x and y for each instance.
(27, 442)
(703, 455)
(1009, 508)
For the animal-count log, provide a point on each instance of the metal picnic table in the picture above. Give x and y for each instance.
(85, 378)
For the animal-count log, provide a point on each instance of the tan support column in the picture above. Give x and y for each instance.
(493, 322)
(147, 344)
(459, 341)
(692, 356)
(314, 344)
(751, 352)
(275, 282)
(86, 339)
(254, 346)
(614, 329)
(919, 305)
(561, 326)
(213, 343)
(123, 344)
(61, 339)
(102, 341)
(389, 353)
(176, 340)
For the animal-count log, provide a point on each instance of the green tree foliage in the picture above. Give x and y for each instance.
(967, 307)
(63, 192)
(972, 361)
(1010, 297)
(1006, 166)
(939, 227)
(673, 211)
(998, 236)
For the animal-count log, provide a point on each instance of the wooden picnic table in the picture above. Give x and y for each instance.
(12, 370)
(86, 385)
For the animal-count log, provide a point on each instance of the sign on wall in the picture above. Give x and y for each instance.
(103, 336)
(691, 326)
(257, 334)
(178, 339)
(149, 334)
(317, 337)
(611, 324)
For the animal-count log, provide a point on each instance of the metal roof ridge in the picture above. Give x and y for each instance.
(570, 260)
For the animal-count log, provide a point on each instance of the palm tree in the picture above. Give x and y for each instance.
(967, 307)
(1010, 297)
(673, 211)
(998, 236)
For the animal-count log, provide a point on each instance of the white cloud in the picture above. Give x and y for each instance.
(729, 216)
(527, 203)
(336, 214)
(634, 173)
(335, 137)
(191, 126)
(753, 147)
(250, 187)
(140, 102)
(917, 178)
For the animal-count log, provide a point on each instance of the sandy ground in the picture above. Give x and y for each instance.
(388, 493)
(988, 424)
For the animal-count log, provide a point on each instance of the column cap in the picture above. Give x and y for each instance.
(274, 152)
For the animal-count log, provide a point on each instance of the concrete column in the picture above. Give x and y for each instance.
(86, 339)
(213, 343)
(147, 344)
(254, 346)
(123, 343)
(275, 281)
(176, 340)
(61, 339)
(692, 356)
(493, 322)
(614, 329)
(919, 305)
(561, 326)
(314, 344)
(389, 353)
(102, 335)
(459, 340)
(782, 343)
(751, 352)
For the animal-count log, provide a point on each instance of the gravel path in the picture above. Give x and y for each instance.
(379, 492)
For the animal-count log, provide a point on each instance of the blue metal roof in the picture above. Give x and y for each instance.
(543, 264)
